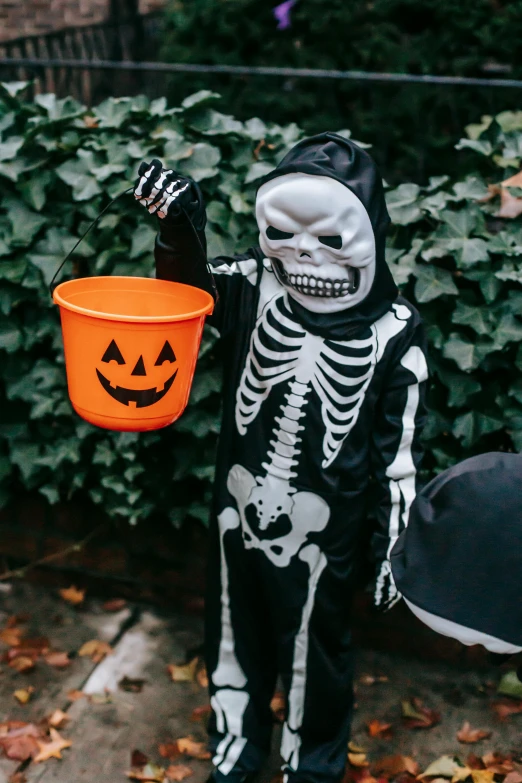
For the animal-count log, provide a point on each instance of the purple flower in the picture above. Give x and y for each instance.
(282, 14)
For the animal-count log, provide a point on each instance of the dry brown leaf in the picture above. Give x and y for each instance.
(114, 605)
(499, 763)
(196, 750)
(358, 760)
(378, 729)
(73, 595)
(278, 706)
(90, 122)
(504, 709)
(22, 663)
(372, 679)
(482, 775)
(470, 736)
(510, 206)
(513, 777)
(149, 772)
(19, 742)
(96, 650)
(11, 636)
(74, 695)
(177, 772)
(57, 719)
(24, 694)
(200, 713)
(169, 750)
(138, 759)
(354, 748)
(184, 673)
(202, 677)
(391, 766)
(17, 777)
(416, 716)
(52, 749)
(60, 660)
(131, 685)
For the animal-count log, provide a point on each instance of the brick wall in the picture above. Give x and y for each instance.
(26, 17)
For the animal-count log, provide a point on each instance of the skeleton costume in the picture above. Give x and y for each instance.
(324, 382)
(459, 563)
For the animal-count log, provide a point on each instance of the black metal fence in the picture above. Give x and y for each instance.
(131, 39)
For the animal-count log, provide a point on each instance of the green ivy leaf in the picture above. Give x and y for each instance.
(471, 426)
(403, 205)
(432, 282)
(202, 163)
(75, 173)
(466, 354)
(475, 317)
(25, 223)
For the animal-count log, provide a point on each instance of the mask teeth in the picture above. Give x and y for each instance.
(321, 287)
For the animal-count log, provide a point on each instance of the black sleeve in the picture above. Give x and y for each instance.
(397, 452)
(180, 255)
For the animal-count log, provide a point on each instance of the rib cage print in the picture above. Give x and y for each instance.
(338, 372)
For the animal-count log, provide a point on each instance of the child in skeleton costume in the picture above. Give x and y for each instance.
(459, 562)
(323, 388)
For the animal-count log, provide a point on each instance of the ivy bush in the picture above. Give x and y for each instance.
(60, 163)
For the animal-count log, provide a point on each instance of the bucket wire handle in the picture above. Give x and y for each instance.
(52, 285)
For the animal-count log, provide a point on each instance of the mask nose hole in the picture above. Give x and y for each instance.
(305, 255)
(140, 367)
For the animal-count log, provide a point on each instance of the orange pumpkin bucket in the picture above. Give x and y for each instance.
(131, 345)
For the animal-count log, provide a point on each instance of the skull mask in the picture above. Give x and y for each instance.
(320, 240)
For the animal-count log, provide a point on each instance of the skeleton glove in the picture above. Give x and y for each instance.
(167, 194)
(386, 594)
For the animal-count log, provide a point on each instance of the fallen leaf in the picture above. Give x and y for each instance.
(378, 729)
(17, 777)
(52, 749)
(24, 694)
(149, 772)
(169, 750)
(200, 713)
(371, 679)
(138, 759)
(20, 747)
(358, 760)
(446, 767)
(131, 685)
(178, 772)
(60, 660)
(278, 706)
(22, 663)
(354, 748)
(417, 716)
(500, 764)
(35, 646)
(504, 709)
(202, 677)
(196, 750)
(90, 122)
(95, 649)
(510, 685)
(185, 673)
(391, 766)
(114, 605)
(57, 719)
(74, 695)
(510, 206)
(73, 595)
(11, 636)
(482, 775)
(469, 735)
(513, 777)
(100, 698)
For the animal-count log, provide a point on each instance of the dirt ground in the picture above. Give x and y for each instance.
(113, 718)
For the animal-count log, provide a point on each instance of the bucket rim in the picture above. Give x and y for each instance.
(66, 305)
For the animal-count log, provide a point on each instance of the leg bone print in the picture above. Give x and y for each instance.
(339, 373)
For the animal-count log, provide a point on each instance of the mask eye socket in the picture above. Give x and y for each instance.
(275, 233)
(334, 241)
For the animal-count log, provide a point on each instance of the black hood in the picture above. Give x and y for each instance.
(461, 555)
(330, 155)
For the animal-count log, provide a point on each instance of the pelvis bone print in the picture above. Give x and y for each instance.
(339, 373)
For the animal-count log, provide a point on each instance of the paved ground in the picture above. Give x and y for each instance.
(109, 723)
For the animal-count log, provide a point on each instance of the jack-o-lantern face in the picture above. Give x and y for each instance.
(141, 397)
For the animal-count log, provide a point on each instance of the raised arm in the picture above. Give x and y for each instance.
(396, 455)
